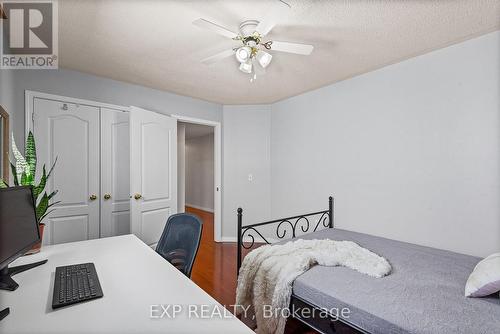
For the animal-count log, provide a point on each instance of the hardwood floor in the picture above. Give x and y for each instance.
(215, 269)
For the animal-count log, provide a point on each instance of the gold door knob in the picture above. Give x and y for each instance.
(93, 197)
(107, 196)
(137, 196)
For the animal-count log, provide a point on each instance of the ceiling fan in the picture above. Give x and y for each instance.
(252, 54)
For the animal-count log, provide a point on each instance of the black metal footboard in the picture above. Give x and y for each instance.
(289, 227)
(285, 227)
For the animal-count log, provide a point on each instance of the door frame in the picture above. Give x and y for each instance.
(217, 169)
(4, 150)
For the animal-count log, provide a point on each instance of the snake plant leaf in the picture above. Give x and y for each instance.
(3, 184)
(29, 181)
(52, 168)
(24, 172)
(21, 164)
(37, 190)
(31, 156)
(42, 207)
(43, 181)
(14, 172)
(24, 178)
(52, 204)
(53, 194)
(46, 214)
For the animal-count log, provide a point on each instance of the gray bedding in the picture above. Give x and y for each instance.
(423, 294)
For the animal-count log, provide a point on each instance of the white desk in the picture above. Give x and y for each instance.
(133, 277)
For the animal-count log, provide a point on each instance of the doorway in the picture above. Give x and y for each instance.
(199, 170)
(115, 192)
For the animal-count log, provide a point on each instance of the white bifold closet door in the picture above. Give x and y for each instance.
(153, 172)
(115, 171)
(70, 133)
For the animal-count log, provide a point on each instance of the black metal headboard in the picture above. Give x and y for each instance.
(283, 225)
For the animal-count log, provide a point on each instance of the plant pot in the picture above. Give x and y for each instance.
(38, 246)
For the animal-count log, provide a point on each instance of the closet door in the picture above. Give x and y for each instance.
(115, 173)
(153, 173)
(69, 133)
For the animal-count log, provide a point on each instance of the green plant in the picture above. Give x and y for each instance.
(24, 170)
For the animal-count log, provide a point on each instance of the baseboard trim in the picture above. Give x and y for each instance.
(199, 207)
(228, 239)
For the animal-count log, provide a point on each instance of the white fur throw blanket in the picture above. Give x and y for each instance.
(267, 274)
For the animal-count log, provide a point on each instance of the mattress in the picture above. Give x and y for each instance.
(423, 294)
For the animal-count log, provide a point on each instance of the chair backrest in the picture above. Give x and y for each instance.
(180, 241)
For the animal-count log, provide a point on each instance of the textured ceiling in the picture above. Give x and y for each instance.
(154, 44)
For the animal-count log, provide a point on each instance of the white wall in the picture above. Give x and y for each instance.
(181, 167)
(200, 172)
(75, 84)
(411, 151)
(246, 136)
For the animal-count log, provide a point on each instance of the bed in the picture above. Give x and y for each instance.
(423, 294)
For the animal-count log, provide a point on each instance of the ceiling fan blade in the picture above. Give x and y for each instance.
(264, 27)
(204, 24)
(301, 49)
(217, 57)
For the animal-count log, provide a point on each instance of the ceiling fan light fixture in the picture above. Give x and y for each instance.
(264, 58)
(246, 67)
(243, 54)
(251, 52)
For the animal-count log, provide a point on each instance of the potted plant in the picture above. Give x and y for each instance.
(23, 171)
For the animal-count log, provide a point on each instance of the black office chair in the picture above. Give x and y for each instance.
(180, 241)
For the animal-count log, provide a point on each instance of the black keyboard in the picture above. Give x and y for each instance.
(75, 284)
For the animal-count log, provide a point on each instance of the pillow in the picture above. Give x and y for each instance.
(485, 279)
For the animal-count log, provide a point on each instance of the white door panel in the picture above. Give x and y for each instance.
(71, 160)
(120, 222)
(67, 229)
(152, 224)
(69, 132)
(155, 182)
(115, 173)
(153, 172)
